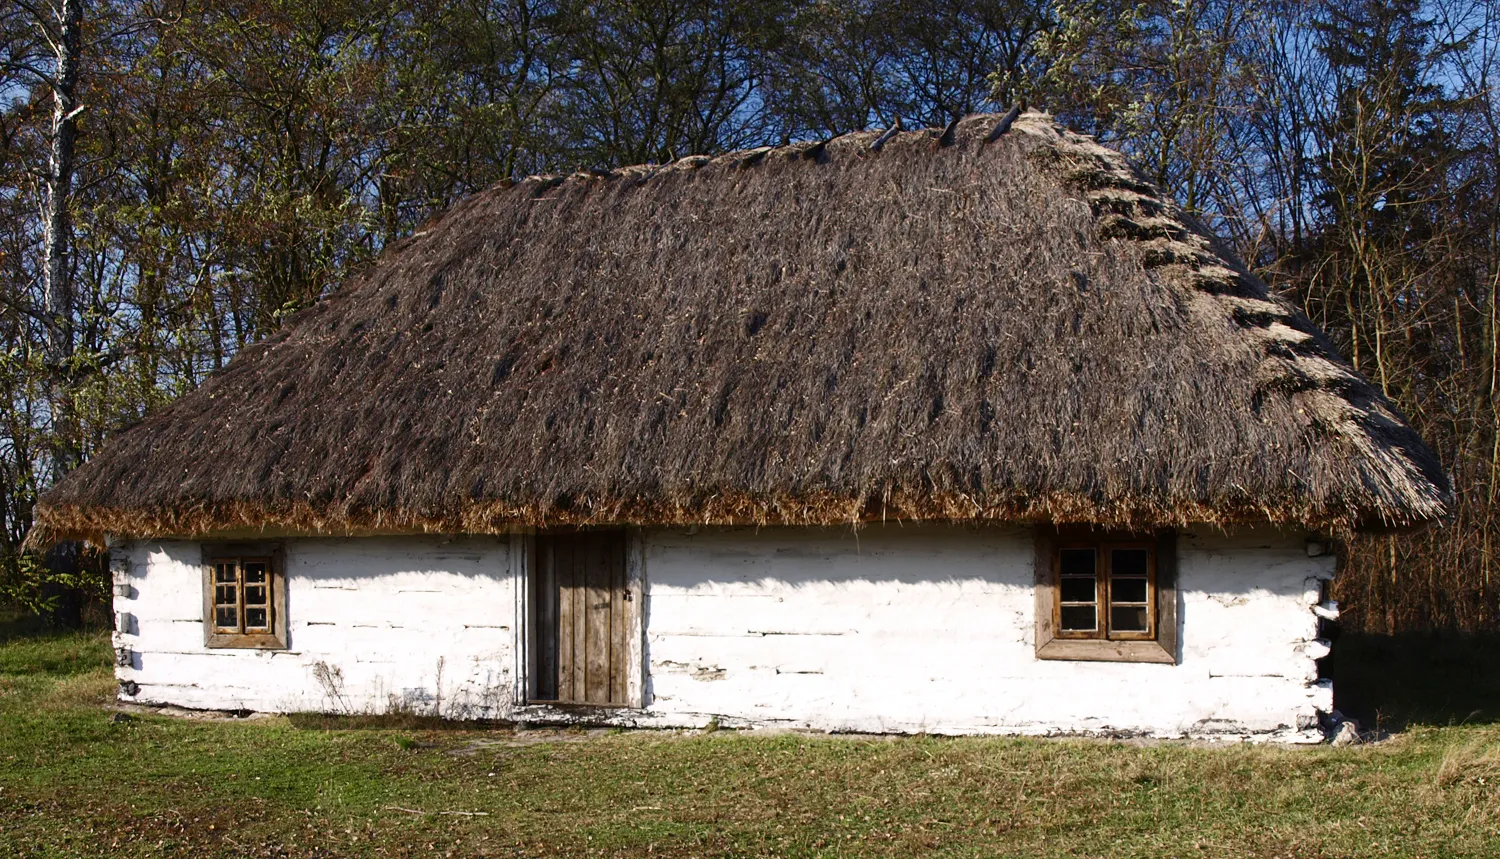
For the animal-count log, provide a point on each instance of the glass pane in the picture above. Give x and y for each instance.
(1127, 619)
(226, 618)
(1078, 590)
(223, 572)
(255, 595)
(224, 595)
(255, 571)
(255, 618)
(1078, 618)
(1120, 590)
(1128, 562)
(1076, 562)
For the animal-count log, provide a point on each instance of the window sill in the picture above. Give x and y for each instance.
(244, 642)
(1098, 650)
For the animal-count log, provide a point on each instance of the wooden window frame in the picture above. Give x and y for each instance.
(216, 637)
(1157, 645)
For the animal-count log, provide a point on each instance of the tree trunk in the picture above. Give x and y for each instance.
(57, 279)
(57, 270)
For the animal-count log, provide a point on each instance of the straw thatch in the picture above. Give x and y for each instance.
(1020, 329)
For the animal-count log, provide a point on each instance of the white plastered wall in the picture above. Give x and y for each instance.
(905, 629)
(375, 624)
(892, 629)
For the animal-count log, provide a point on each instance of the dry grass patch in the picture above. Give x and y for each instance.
(1475, 761)
(1468, 775)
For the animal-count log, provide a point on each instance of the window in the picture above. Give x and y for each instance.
(583, 620)
(1106, 596)
(1105, 591)
(244, 596)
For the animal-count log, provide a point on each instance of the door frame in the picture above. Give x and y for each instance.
(522, 564)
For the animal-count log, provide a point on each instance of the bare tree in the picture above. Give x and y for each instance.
(62, 29)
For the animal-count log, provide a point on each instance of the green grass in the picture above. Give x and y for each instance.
(73, 782)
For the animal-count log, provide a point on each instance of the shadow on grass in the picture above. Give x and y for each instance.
(16, 625)
(1396, 681)
(29, 646)
(388, 722)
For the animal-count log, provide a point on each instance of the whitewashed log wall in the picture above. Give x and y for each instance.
(374, 624)
(931, 629)
(892, 629)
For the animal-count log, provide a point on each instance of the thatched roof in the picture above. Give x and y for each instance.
(1020, 330)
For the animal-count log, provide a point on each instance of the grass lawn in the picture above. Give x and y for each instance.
(74, 782)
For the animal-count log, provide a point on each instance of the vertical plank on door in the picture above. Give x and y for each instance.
(578, 605)
(544, 598)
(597, 595)
(562, 574)
(619, 620)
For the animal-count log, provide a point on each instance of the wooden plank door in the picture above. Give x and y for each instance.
(583, 618)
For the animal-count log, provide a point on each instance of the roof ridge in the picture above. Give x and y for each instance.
(751, 156)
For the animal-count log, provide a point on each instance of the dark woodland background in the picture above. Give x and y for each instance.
(177, 176)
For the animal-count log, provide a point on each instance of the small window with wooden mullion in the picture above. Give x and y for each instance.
(244, 598)
(1105, 591)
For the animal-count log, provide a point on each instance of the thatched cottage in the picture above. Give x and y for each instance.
(971, 432)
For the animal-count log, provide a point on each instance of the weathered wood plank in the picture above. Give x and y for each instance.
(546, 639)
(1166, 592)
(597, 673)
(619, 645)
(562, 567)
(578, 605)
(1104, 650)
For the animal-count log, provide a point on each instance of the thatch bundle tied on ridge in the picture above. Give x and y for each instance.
(1016, 328)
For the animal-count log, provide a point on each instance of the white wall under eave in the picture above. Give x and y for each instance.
(893, 629)
(375, 624)
(931, 629)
